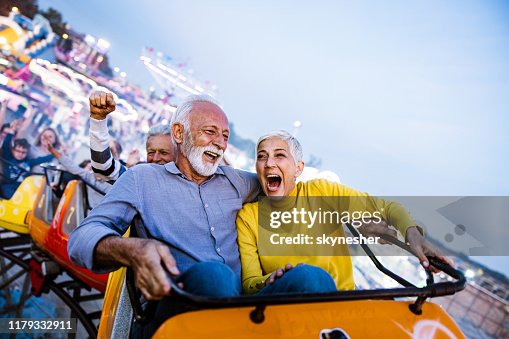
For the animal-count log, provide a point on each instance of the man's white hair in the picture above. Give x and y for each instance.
(184, 109)
(159, 129)
(293, 143)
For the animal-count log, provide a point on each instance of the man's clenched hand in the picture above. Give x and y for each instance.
(101, 104)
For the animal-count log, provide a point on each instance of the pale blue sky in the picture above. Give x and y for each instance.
(396, 97)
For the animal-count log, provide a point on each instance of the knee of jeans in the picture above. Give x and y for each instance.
(211, 279)
(210, 269)
(312, 278)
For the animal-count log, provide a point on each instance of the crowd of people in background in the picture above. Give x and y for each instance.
(30, 135)
(8, 63)
(19, 156)
(27, 141)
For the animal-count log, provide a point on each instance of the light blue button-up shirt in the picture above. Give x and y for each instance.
(196, 221)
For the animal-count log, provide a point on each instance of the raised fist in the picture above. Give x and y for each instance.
(101, 104)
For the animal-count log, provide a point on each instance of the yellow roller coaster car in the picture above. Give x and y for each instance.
(379, 313)
(13, 211)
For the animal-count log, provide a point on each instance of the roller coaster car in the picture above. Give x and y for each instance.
(343, 314)
(13, 211)
(40, 217)
(38, 258)
(53, 219)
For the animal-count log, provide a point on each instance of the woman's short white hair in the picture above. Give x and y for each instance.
(293, 143)
(184, 109)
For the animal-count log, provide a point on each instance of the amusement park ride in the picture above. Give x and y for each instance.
(36, 221)
(173, 79)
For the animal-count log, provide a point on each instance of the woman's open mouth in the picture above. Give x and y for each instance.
(273, 182)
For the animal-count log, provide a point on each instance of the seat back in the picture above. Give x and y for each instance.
(117, 314)
(124, 315)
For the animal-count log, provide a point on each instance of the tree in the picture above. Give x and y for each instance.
(28, 8)
(55, 19)
(104, 66)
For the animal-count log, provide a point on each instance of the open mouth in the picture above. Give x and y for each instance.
(212, 156)
(273, 182)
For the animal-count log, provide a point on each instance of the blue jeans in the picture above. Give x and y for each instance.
(7, 190)
(212, 279)
(301, 279)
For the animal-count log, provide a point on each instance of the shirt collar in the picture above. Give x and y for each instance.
(172, 168)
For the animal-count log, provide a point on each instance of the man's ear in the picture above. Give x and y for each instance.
(300, 168)
(177, 130)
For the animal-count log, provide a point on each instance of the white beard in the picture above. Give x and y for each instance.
(195, 156)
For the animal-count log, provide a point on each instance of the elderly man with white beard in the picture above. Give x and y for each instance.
(188, 208)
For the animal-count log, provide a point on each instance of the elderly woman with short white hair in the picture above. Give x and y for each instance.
(278, 165)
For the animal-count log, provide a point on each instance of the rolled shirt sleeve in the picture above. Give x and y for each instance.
(110, 218)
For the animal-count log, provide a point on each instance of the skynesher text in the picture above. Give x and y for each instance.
(305, 239)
